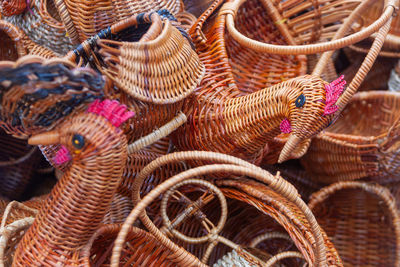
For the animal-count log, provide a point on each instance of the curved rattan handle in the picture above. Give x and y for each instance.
(378, 190)
(283, 255)
(231, 8)
(15, 34)
(231, 165)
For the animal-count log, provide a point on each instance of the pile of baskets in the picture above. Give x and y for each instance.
(199, 133)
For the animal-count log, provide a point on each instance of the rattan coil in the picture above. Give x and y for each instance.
(363, 142)
(12, 46)
(12, 7)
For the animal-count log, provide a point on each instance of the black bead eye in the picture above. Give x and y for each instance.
(300, 101)
(78, 141)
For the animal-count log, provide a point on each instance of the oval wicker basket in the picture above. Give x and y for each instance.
(362, 221)
(292, 218)
(363, 142)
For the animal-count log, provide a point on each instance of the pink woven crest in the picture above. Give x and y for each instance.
(333, 92)
(62, 156)
(112, 110)
(285, 126)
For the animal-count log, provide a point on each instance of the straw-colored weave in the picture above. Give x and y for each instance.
(363, 142)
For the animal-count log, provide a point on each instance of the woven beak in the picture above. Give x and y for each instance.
(48, 138)
(289, 147)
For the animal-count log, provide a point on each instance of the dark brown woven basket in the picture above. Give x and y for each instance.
(18, 162)
(362, 221)
(363, 142)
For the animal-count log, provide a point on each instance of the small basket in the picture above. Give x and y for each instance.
(362, 221)
(363, 142)
(17, 164)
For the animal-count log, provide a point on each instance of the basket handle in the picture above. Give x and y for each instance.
(229, 165)
(230, 9)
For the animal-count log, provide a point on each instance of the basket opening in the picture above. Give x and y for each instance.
(12, 148)
(360, 225)
(8, 49)
(370, 116)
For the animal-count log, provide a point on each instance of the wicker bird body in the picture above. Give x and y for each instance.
(77, 204)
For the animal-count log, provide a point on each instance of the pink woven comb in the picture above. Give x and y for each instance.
(112, 110)
(333, 91)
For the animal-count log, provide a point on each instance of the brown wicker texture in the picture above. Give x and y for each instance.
(83, 19)
(223, 120)
(293, 173)
(392, 43)
(16, 219)
(55, 89)
(292, 218)
(363, 142)
(18, 162)
(160, 70)
(309, 26)
(12, 47)
(41, 26)
(141, 249)
(362, 221)
(12, 7)
(77, 204)
(137, 31)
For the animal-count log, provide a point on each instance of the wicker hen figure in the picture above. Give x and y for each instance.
(77, 204)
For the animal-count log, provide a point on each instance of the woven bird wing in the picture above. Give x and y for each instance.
(36, 95)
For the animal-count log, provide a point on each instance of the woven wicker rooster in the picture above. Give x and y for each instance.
(77, 204)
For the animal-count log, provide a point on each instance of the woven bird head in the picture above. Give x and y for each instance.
(312, 108)
(87, 134)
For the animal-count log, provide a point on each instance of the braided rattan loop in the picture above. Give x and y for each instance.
(283, 255)
(389, 10)
(268, 236)
(214, 231)
(235, 166)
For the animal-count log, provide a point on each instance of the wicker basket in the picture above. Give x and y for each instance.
(362, 221)
(85, 19)
(362, 143)
(18, 161)
(293, 218)
(41, 26)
